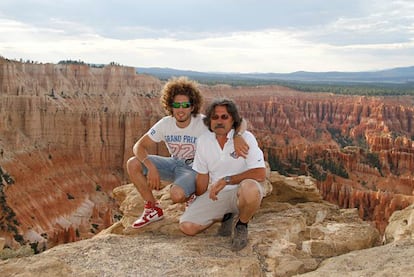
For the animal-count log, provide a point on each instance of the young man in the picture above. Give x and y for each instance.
(226, 184)
(180, 130)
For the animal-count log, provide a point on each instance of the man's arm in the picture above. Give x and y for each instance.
(258, 174)
(240, 145)
(140, 150)
(242, 128)
(141, 147)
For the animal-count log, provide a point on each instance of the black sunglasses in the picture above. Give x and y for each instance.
(223, 117)
(177, 105)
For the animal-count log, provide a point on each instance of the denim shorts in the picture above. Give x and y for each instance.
(180, 172)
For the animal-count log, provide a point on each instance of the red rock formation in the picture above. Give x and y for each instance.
(376, 206)
(66, 132)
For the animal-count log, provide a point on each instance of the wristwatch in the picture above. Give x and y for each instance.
(227, 179)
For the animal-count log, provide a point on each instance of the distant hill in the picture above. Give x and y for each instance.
(400, 75)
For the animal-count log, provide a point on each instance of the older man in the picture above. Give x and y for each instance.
(227, 184)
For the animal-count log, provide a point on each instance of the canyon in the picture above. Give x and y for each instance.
(66, 131)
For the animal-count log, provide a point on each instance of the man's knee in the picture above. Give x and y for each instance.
(133, 165)
(188, 228)
(250, 191)
(177, 194)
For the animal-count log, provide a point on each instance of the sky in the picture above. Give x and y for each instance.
(279, 36)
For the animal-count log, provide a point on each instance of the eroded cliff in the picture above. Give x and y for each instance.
(67, 130)
(286, 238)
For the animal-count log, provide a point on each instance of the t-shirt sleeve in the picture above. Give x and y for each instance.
(156, 133)
(255, 158)
(200, 164)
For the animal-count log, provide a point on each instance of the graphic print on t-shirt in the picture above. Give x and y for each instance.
(182, 151)
(181, 142)
(182, 147)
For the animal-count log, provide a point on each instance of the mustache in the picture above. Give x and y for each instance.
(217, 126)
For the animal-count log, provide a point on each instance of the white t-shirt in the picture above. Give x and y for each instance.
(210, 158)
(181, 142)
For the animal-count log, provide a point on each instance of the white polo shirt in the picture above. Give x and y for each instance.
(210, 158)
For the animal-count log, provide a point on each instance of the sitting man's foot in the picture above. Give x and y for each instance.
(150, 214)
(240, 237)
(226, 225)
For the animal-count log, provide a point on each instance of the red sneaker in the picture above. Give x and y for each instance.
(190, 200)
(150, 214)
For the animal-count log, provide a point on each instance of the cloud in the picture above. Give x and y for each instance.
(391, 24)
(206, 35)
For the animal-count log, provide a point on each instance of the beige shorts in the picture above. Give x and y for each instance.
(205, 211)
